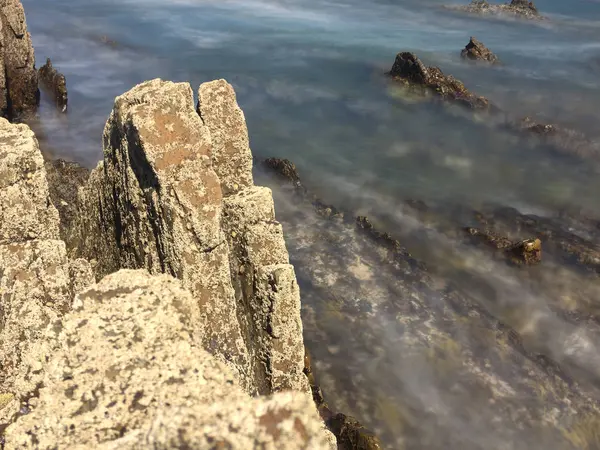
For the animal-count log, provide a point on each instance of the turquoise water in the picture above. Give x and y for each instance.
(309, 77)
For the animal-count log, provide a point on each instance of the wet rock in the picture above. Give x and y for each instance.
(475, 50)
(64, 180)
(519, 8)
(56, 83)
(19, 92)
(409, 70)
(528, 251)
(127, 372)
(38, 281)
(284, 168)
(156, 202)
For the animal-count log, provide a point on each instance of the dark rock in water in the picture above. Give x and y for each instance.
(55, 82)
(477, 51)
(64, 180)
(19, 92)
(284, 168)
(409, 70)
(528, 251)
(349, 432)
(518, 8)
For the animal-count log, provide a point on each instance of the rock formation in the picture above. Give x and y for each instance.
(409, 70)
(519, 8)
(18, 78)
(129, 372)
(174, 195)
(56, 83)
(477, 51)
(38, 281)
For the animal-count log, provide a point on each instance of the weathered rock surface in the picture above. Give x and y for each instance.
(156, 202)
(409, 70)
(18, 78)
(528, 251)
(56, 83)
(128, 371)
(38, 281)
(475, 50)
(64, 180)
(519, 8)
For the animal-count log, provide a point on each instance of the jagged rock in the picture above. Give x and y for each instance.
(127, 372)
(64, 180)
(231, 155)
(37, 282)
(18, 78)
(528, 251)
(409, 70)
(284, 168)
(156, 202)
(477, 51)
(56, 83)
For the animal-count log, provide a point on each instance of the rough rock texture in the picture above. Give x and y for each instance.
(231, 155)
(409, 70)
(64, 180)
(37, 282)
(528, 251)
(18, 78)
(156, 202)
(56, 83)
(519, 8)
(128, 372)
(477, 51)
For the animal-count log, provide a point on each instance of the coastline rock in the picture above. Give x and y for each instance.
(64, 180)
(38, 282)
(527, 251)
(127, 372)
(156, 202)
(409, 70)
(284, 168)
(475, 50)
(19, 92)
(56, 83)
(518, 8)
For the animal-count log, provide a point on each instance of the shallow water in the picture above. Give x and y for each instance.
(309, 76)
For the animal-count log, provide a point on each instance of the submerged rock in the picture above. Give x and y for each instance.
(409, 70)
(519, 8)
(528, 251)
(19, 92)
(127, 372)
(56, 83)
(477, 51)
(175, 195)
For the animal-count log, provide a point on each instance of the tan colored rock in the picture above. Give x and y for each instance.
(129, 373)
(37, 282)
(156, 202)
(26, 211)
(18, 78)
(231, 155)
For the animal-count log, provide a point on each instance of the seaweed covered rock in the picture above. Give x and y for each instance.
(527, 251)
(128, 372)
(174, 194)
(475, 50)
(38, 281)
(56, 83)
(19, 92)
(411, 71)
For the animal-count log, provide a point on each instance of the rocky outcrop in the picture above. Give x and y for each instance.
(18, 78)
(56, 83)
(38, 281)
(475, 50)
(528, 251)
(409, 70)
(128, 371)
(518, 8)
(64, 180)
(174, 194)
